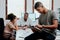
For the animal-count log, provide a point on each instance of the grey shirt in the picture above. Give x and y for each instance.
(46, 19)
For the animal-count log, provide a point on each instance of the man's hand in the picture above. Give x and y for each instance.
(19, 27)
(39, 26)
(24, 28)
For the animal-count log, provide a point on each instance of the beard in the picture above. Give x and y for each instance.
(25, 19)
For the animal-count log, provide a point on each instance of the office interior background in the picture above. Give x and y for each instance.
(19, 7)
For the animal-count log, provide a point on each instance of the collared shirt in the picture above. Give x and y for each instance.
(23, 23)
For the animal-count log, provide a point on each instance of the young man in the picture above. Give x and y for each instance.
(25, 21)
(48, 23)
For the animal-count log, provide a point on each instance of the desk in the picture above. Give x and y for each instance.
(21, 34)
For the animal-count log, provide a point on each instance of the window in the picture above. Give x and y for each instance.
(20, 6)
(16, 7)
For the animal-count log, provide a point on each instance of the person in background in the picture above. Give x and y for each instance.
(25, 21)
(11, 27)
(48, 23)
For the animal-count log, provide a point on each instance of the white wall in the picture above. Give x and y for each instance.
(2, 9)
(17, 7)
(56, 5)
(29, 6)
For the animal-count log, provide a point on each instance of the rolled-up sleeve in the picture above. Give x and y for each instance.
(55, 16)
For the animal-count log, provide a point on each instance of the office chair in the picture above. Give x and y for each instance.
(1, 28)
(58, 27)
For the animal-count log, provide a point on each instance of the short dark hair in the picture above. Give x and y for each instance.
(11, 17)
(26, 13)
(38, 4)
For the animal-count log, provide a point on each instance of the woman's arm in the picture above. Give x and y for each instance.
(16, 27)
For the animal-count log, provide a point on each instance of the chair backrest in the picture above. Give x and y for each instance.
(1, 26)
(58, 27)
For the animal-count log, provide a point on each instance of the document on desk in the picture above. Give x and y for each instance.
(23, 33)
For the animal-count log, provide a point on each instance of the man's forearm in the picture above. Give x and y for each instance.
(49, 26)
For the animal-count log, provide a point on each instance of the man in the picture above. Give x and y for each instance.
(48, 23)
(25, 21)
(24, 27)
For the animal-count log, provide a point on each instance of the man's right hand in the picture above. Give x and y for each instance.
(24, 27)
(39, 26)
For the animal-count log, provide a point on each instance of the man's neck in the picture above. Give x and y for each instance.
(45, 11)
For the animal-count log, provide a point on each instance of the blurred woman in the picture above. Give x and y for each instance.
(11, 27)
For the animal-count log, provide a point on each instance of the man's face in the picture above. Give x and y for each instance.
(40, 9)
(25, 17)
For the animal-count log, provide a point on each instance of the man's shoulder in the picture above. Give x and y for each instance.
(50, 11)
(29, 19)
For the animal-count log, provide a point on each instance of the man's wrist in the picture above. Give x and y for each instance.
(43, 26)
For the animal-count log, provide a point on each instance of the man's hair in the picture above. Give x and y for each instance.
(26, 13)
(11, 17)
(38, 4)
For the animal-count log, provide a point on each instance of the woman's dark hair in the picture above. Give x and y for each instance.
(38, 4)
(11, 17)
